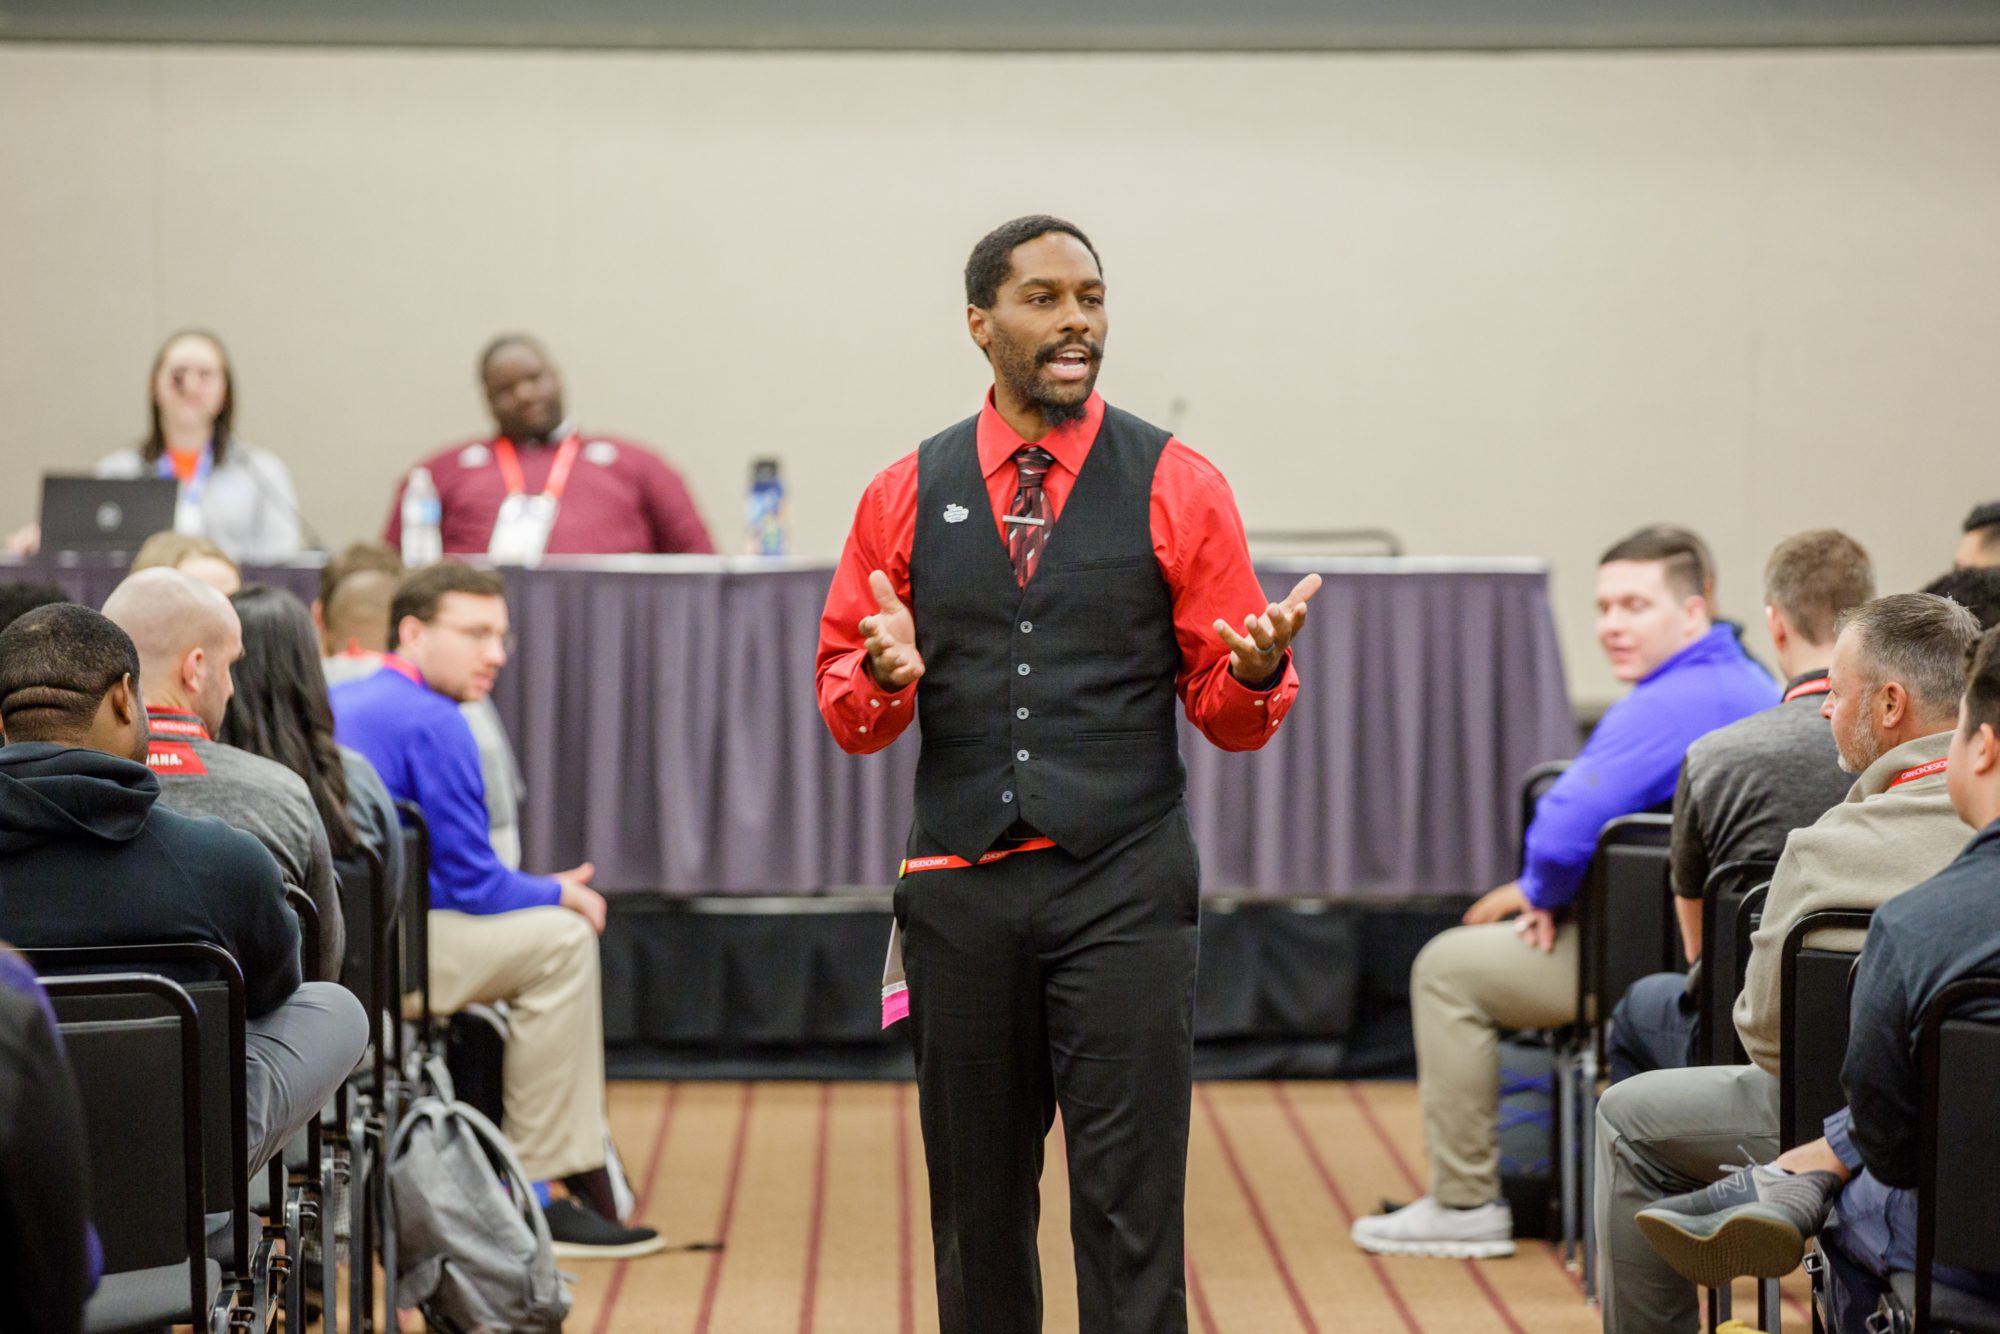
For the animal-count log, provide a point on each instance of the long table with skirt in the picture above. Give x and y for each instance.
(665, 715)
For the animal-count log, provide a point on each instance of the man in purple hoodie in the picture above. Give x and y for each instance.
(1689, 676)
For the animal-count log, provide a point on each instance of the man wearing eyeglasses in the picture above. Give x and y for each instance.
(496, 934)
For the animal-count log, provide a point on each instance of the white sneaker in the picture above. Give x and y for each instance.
(1429, 1228)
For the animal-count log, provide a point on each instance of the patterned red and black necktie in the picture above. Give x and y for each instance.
(1028, 520)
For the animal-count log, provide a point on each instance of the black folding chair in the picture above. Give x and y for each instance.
(212, 978)
(1724, 957)
(1730, 932)
(1625, 931)
(1812, 1039)
(414, 959)
(1959, 1056)
(1813, 983)
(133, 1042)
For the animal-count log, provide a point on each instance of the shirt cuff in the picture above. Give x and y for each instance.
(1270, 683)
(1841, 1143)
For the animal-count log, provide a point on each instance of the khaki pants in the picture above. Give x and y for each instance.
(1467, 985)
(543, 963)
(1663, 1133)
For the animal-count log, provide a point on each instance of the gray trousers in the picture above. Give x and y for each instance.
(297, 1057)
(1663, 1133)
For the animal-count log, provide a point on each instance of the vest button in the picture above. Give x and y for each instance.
(1020, 713)
(1027, 627)
(1006, 798)
(1022, 669)
(1020, 754)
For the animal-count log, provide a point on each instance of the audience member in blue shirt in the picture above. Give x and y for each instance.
(1690, 676)
(496, 934)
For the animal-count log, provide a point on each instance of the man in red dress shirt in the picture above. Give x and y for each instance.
(1055, 572)
(542, 482)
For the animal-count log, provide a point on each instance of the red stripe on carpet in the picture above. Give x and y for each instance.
(710, 1285)
(645, 1197)
(1204, 1317)
(1346, 1211)
(906, 1286)
(811, 1282)
(1479, 1279)
(1257, 1214)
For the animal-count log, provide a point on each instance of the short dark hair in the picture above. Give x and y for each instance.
(19, 598)
(1918, 639)
(1813, 577)
(353, 559)
(1976, 588)
(422, 590)
(501, 342)
(1690, 570)
(993, 258)
(56, 664)
(1985, 521)
(1982, 682)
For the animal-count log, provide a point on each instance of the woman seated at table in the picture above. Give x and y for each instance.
(238, 497)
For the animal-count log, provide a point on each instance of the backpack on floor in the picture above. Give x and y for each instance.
(470, 1246)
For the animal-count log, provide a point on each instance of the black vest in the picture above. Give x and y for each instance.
(1053, 703)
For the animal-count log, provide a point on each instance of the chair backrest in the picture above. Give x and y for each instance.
(1812, 1033)
(1959, 1056)
(307, 912)
(134, 1045)
(1534, 783)
(1625, 913)
(1725, 954)
(413, 969)
(213, 980)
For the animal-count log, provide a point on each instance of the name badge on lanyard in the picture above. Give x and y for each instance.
(521, 533)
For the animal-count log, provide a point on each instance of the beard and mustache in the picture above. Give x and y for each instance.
(1020, 368)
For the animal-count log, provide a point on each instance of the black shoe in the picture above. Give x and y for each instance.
(1751, 1224)
(580, 1234)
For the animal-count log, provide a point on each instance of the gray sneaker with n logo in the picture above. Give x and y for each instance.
(1751, 1224)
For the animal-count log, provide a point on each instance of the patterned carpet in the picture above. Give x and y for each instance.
(818, 1193)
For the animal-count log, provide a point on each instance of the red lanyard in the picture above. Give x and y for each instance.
(402, 667)
(1921, 771)
(914, 864)
(174, 723)
(1804, 688)
(510, 467)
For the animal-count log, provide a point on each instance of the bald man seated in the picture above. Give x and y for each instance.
(90, 855)
(187, 635)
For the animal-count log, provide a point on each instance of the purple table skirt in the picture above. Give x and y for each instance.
(664, 712)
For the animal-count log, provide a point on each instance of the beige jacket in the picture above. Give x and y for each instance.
(1874, 845)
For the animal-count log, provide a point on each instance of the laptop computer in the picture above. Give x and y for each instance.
(105, 514)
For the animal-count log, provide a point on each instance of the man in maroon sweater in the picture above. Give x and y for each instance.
(597, 494)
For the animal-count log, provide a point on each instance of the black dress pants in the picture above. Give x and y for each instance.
(1044, 981)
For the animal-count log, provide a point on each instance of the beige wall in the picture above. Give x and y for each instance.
(1509, 304)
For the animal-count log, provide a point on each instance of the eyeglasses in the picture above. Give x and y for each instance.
(482, 636)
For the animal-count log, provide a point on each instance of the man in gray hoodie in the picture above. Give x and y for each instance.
(89, 855)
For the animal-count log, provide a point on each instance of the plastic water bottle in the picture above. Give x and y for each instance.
(764, 512)
(423, 538)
